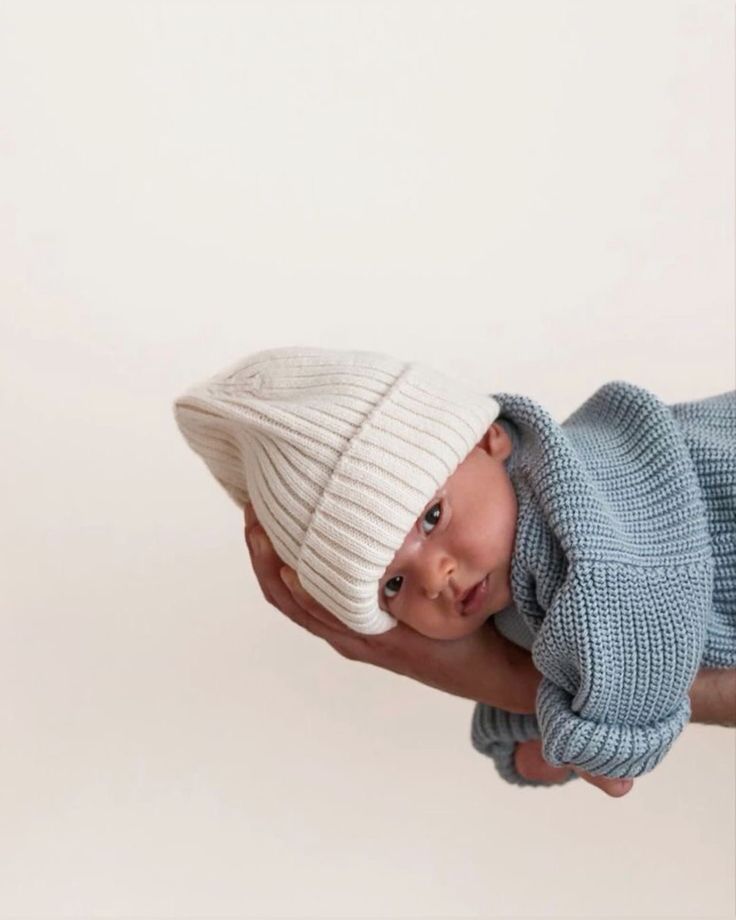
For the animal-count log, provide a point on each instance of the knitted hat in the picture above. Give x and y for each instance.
(339, 452)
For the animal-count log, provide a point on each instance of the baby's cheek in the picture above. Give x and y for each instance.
(479, 542)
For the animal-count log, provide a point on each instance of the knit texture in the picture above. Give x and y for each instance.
(338, 452)
(623, 573)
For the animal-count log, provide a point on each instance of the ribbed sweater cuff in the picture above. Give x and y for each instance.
(495, 733)
(617, 751)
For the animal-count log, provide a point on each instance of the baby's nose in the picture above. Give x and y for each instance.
(437, 573)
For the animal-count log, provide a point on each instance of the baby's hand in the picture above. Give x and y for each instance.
(483, 666)
(531, 765)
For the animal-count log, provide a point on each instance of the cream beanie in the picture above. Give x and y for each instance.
(339, 452)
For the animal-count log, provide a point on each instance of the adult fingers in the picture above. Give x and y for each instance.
(392, 649)
(288, 596)
(308, 604)
(307, 612)
(282, 589)
(267, 566)
(263, 558)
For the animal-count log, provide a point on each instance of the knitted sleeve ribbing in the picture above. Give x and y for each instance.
(496, 732)
(618, 650)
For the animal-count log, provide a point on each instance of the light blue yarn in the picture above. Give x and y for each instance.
(623, 574)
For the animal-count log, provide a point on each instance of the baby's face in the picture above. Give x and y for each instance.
(464, 536)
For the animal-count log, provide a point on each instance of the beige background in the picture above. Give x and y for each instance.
(536, 196)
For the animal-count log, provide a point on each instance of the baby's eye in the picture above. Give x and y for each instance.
(432, 516)
(387, 590)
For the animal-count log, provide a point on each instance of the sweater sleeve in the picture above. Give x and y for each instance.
(618, 651)
(496, 732)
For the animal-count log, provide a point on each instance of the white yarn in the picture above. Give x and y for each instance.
(339, 452)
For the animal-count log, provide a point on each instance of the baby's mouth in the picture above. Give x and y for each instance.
(473, 599)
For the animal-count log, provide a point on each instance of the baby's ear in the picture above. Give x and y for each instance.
(496, 442)
(485, 441)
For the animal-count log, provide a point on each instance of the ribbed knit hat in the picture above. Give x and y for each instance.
(339, 452)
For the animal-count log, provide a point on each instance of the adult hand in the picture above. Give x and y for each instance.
(713, 697)
(484, 666)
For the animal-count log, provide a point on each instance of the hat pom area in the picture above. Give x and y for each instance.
(339, 452)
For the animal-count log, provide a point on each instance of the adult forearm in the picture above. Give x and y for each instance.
(713, 697)
(712, 694)
(506, 677)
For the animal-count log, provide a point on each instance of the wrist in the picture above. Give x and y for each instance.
(713, 697)
(512, 678)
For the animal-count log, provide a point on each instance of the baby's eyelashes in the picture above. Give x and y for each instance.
(434, 513)
(430, 518)
(387, 589)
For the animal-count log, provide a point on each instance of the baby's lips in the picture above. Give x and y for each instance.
(473, 597)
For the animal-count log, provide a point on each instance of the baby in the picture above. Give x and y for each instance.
(606, 545)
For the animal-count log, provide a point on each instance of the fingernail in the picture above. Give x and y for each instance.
(286, 577)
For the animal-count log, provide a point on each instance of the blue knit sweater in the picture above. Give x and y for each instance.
(623, 574)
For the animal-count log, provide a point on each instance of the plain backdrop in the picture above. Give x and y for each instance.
(536, 197)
